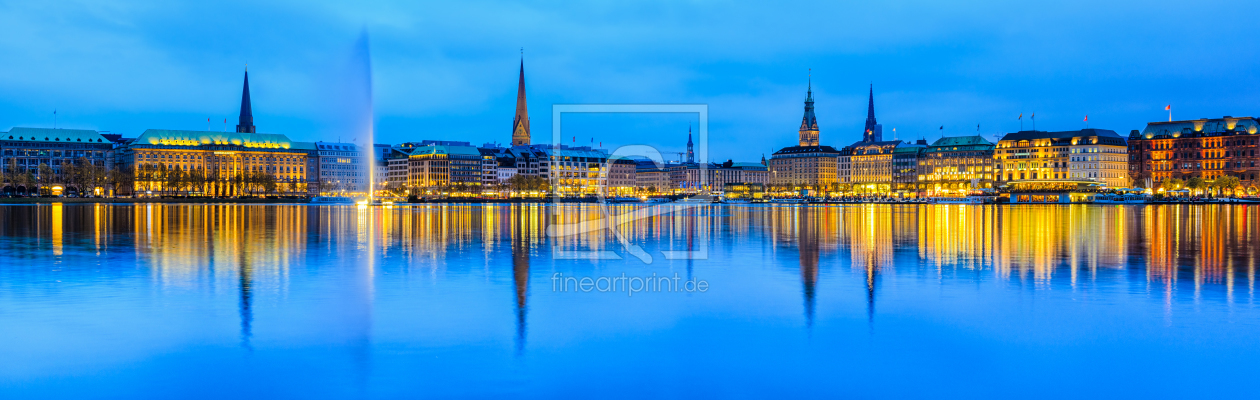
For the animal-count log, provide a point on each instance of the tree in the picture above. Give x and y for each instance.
(1227, 183)
(267, 182)
(197, 180)
(176, 179)
(45, 176)
(1195, 183)
(119, 179)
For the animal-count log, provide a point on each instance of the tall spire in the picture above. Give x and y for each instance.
(246, 124)
(691, 154)
(520, 124)
(809, 124)
(872, 132)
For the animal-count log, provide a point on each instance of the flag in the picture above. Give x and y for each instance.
(1168, 107)
(1021, 115)
(592, 140)
(1086, 118)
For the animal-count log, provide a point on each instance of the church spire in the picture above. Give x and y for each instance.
(809, 124)
(520, 125)
(246, 124)
(873, 131)
(691, 154)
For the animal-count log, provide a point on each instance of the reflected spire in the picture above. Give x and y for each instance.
(872, 280)
(246, 276)
(808, 248)
(520, 280)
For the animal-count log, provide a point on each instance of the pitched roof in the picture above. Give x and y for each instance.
(176, 137)
(54, 135)
(961, 141)
(1030, 135)
(806, 149)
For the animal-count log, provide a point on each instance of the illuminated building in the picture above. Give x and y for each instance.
(24, 150)
(650, 177)
(210, 163)
(177, 162)
(905, 167)
(1096, 155)
(437, 165)
(956, 164)
(869, 163)
(520, 123)
(1204, 148)
(807, 165)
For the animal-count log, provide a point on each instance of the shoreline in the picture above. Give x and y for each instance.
(53, 200)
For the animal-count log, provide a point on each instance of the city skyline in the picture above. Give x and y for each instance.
(461, 87)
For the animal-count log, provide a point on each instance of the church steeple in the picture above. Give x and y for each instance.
(873, 132)
(691, 154)
(809, 124)
(520, 125)
(246, 124)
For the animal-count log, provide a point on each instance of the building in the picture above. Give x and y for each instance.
(808, 165)
(873, 132)
(214, 163)
(1096, 155)
(199, 163)
(962, 163)
(396, 168)
(435, 168)
(620, 177)
(652, 178)
(844, 166)
(520, 124)
(37, 161)
(871, 165)
(339, 168)
(1203, 148)
(905, 168)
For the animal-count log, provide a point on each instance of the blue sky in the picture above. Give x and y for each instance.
(447, 70)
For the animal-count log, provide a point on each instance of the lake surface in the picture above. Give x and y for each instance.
(865, 301)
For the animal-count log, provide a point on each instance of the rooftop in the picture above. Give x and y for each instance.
(175, 137)
(54, 135)
(1031, 135)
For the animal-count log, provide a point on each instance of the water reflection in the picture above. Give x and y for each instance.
(1177, 253)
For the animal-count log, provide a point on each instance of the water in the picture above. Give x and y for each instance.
(873, 301)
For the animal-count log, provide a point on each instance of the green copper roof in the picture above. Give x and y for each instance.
(961, 141)
(172, 137)
(448, 150)
(54, 135)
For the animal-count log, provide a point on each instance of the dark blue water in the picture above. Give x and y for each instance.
(871, 301)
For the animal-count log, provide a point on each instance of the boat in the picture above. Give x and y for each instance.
(1123, 196)
(973, 199)
(332, 200)
(787, 201)
(698, 199)
(622, 200)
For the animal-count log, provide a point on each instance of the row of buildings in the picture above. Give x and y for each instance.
(1204, 148)
(245, 162)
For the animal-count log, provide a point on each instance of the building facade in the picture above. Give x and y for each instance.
(38, 161)
(435, 168)
(167, 162)
(1203, 148)
(954, 164)
(808, 165)
(1085, 155)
